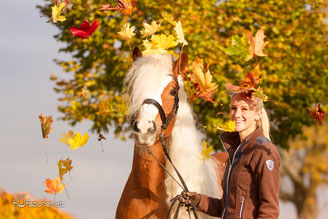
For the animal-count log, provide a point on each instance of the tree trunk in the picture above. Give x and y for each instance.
(309, 208)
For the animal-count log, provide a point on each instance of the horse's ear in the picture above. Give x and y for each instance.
(180, 64)
(136, 53)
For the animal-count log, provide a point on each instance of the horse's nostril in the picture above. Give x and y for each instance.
(135, 127)
(153, 129)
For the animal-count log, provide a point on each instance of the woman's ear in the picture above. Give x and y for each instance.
(258, 115)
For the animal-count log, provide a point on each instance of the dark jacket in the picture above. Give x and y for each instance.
(251, 179)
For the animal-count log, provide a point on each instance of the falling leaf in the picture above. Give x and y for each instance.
(163, 42)
(78, 140)
(56, 13)
(240, 47)
(179, 31)
(101, 137)
(85, 30)
(228, 126)
(64, 166)
(66, 137)
(127, 31)
(150, 29)
(202, 79)
(169, 18)
(257, 43)
(54, 186)
(46, 122)
(252, 78)
(68, 4)
(150, 48)
(317, 113)
(125, 7)
(206, 151)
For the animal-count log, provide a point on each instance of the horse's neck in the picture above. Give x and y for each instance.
(146, 171)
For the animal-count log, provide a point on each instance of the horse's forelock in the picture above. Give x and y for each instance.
(145, 77)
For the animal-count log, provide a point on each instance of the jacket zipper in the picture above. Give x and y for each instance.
(242, 205)
(228, 174)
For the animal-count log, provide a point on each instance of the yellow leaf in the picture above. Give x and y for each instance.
(227, 126)
(206, 151)
(56, 11)
(64, 166)
(163, 42)
(127, 31)
(169, 18)
(150, 48)
(178, 29)
(66, 137)
(78, 140)
(199, 76)
(150, 29)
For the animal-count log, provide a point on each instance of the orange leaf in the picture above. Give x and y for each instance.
(54, 186)
(46, 122)
(256, 43)
(201, 78)
(125, 7)
(251, 79)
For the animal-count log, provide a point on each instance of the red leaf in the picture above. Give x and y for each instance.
(318, 114)
(85, 30)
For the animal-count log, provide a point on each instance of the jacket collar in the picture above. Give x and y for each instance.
(231, 140)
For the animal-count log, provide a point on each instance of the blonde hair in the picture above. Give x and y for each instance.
(264, 121)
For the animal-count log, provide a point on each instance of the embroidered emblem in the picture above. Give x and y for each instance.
(269, 164)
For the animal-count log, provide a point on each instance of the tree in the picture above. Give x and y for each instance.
(297, 74)
(304, 169)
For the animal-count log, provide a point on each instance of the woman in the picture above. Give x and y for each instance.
(251, 178)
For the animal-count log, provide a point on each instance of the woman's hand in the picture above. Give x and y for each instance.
(190, 199)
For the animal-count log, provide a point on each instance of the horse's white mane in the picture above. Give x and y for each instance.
(185, 152)
(146, 78)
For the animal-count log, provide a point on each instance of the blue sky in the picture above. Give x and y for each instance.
(27, 50)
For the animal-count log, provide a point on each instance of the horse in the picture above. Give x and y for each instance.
(156, 96)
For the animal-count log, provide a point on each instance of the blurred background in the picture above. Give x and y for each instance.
(27, 53)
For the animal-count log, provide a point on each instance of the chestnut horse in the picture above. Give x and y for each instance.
(149, 189)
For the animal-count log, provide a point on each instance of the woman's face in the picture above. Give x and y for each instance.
(244, 115)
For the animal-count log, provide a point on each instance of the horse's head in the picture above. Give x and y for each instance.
(153, 86)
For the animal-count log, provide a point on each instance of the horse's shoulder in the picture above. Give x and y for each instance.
(221, 157)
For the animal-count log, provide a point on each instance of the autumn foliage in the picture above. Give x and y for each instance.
(9, 210)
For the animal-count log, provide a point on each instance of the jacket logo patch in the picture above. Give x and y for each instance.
(269, 164)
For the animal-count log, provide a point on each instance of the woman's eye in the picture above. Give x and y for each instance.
(244, 109)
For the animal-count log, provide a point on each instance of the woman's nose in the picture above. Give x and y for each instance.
(237, 113)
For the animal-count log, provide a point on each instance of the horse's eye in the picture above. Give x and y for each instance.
(173, 92)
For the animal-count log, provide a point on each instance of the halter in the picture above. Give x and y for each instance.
(166, 120)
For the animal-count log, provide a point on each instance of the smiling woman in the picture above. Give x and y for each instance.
(251, 179)
(248, 114)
